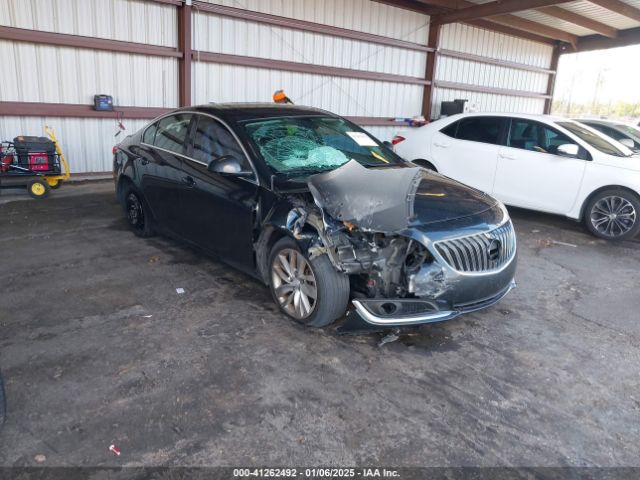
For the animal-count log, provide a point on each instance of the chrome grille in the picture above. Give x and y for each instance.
(482, 252)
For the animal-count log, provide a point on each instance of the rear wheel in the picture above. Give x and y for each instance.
(38, 188)
(310, 291)
(54, 184)
(613, 214)
(138, 215)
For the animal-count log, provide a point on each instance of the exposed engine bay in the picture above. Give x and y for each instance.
(361, 238)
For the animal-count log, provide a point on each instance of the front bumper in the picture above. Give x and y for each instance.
(443, 288)
(415, 311)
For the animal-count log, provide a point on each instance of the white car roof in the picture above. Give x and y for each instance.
(529, 116)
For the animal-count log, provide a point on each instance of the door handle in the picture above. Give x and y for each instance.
(441, 145)
(189, 181)
(144, 161)
(508, 156)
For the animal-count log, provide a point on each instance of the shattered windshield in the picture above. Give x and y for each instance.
(315, 144)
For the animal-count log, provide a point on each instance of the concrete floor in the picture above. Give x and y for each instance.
(96, 348)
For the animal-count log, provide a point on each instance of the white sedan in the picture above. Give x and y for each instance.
(538, 162)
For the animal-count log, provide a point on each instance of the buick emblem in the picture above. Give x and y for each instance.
(493, 250)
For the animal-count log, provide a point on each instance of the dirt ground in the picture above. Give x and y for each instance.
(98, 348)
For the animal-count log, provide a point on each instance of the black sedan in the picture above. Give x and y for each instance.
(320, 211)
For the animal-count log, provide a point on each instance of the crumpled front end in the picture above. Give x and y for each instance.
(403, 270)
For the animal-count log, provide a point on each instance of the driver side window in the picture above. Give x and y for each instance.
(536, 137)
(214, 140)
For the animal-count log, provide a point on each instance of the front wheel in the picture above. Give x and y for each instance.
(613, 214)
(38, 188)
(138, 215)
(310, 291)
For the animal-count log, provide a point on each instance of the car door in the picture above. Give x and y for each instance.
(467, 150)
(218, 210)
(163, 145)
(531, 174)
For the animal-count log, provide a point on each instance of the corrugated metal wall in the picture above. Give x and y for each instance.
(41, 73)
(222, 83)
(467, 39)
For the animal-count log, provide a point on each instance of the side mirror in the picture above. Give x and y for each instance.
(627, 142)
(228, 166)
(570, 150)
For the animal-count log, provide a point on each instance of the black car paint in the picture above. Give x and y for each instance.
(238, 219)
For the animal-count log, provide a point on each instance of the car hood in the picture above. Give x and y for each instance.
(628, 163)
(392, 199)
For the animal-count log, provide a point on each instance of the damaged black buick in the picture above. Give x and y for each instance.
(320, 211)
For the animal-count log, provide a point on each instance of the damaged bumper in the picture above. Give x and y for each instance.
(415, 311)
(467, 274)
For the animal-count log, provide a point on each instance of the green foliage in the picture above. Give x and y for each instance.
(619, 109)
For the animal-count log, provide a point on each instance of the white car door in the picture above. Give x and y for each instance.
(467, 150)
(531, 175)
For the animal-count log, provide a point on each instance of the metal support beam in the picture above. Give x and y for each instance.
(184, 45)
(551, 81)
(579, 20)
(620, 8)
(78, 41)
(427, 95)
(536, 28)
(492, 9)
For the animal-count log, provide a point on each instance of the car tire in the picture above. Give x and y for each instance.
(137, 212)
(38, 188)
(291, 285)
(613, 214)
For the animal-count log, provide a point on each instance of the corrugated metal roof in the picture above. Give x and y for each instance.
(554, 22)
(603, 15)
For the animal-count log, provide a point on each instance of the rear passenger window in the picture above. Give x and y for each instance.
(150, 134)
(172, 133)
(481, 129)
(450, 130)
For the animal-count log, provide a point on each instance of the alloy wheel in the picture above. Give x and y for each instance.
(613, 216)
(294, 283)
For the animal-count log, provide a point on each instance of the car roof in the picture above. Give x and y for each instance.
(239, 112)
(529, 116)
(599, 121)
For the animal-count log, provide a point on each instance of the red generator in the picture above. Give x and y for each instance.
(37, 154)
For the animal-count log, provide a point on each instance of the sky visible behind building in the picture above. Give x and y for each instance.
(602, 83)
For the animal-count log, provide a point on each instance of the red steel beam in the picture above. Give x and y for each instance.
(493, 61)
(38, 109)
(304, 26)
(492, 90)
(68, 110)
(580, 20)
(430, 71)
(288, 66)
(492, 9)
(551, 81)
(184, 64)
(78, 41)
(620, 8)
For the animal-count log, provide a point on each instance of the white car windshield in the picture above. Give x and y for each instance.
(596, 141)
